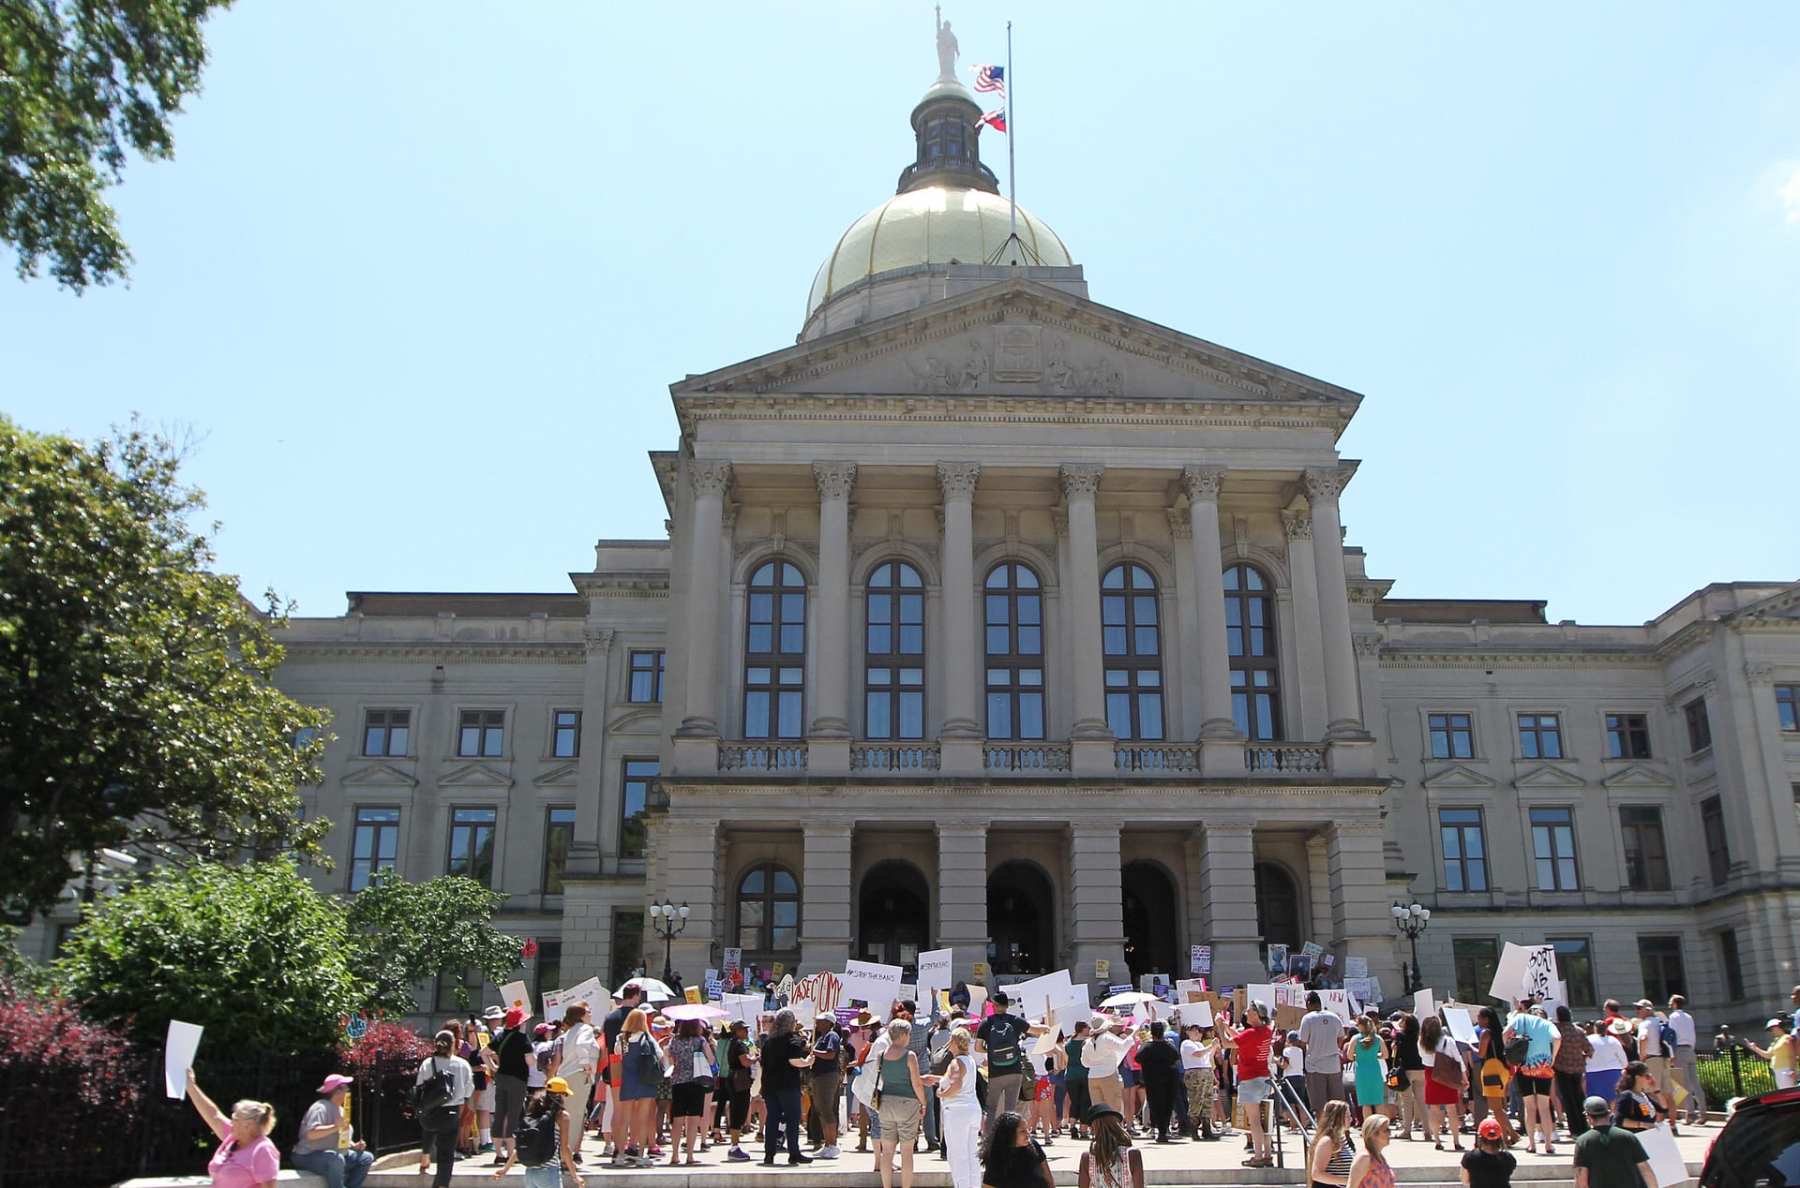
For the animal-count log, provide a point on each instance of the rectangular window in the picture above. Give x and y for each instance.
(1465, 849)
(549, 966)
(627, 945)
(1699, 727)
(373, 845)
(1553, 848)
(1477, 960)
(1575, 966)
(1660, 957)
(1712, 828)
(634, 797)
(1452, 736)
(1627, 736)
(472, 844)
(565, 734)
(646, 676)
(481, 734)
(559, 832)
(1646, 849)
(1540, 736)
(386, 731)
(1732, 964)
(1787, 707)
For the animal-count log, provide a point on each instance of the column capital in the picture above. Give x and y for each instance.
(599, 640)
(1202, 483)
(1759, 674)
(835, 479)
(1297, 524)
(1181, 524)
(1326, 483)
(957, 479)
(710, 478)
(1081, 480)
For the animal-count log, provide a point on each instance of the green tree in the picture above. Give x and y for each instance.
(135, 705)
(251, 952)
(406, 934)
(81, 83)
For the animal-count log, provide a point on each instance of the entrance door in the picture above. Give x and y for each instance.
(894, 911)
(1149, 911)
(1021, 920)
(1277, 906)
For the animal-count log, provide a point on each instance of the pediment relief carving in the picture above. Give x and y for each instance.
(477, 775)
(1457, 778)
(560, 776)
(382, 775)
(1548, 775)
(1637, 776)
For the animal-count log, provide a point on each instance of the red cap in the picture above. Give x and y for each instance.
(1489, 1129)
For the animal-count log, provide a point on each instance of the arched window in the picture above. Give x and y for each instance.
(768, 909)
(1014, 615)
(894, 653)
(1250, 643)
(1132, 642)
(775, 653)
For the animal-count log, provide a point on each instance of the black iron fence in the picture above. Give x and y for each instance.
(49, 1136)
(1732, 1071)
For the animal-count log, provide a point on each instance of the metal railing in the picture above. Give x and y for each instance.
(1285, 758)
(875, 758)
(770, 756)
(1025, 758)
(1179, 758)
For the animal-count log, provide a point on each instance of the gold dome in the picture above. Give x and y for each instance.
(932, 225)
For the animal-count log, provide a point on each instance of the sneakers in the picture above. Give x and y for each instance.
(738, 1155)
(797, 1160)
(830, 1152)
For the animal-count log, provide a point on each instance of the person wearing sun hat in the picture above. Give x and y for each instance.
(1781, 1053)
(324, 1147)
(512, 1066)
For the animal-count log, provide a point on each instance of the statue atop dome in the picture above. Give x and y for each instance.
(946, 47)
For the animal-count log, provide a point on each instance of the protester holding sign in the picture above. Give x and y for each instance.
(1002, 1036)
(1198, 1054)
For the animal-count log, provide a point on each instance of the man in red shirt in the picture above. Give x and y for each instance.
(1252, 1042)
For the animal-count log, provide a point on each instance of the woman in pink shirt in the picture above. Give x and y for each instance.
(245, 1158)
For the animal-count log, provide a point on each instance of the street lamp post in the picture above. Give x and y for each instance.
(668, 920)
(1411, 920)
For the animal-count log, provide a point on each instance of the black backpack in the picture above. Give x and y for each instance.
(432, 1092)
(537, 1138)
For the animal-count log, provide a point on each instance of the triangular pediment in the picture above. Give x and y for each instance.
(476, 775)
(1637, 776)
(1548, 775)
(1457, 778)
(562, 775)
(1021, 339)
(381, 775)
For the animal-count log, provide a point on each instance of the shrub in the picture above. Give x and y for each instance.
(383, 1045)
(94, 1079)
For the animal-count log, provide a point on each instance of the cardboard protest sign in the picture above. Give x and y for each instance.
(805, 1011)
(1200, 959)
(514, 997)
(1524, 970)
(1288, 1017)
(823, 989)
(1033, 998)
(179, 1049)
(1312, 949)
(977, 996)
(872, 982)
(1424, 1004)
(744, 1008)
(934, 971)
(1666, 1163)
(1337, 1002)
(1277, 959)
(1189, 989)
(553, 1006)
(597, 998)
(1196, 1013)
(1356, 967)
(1460, 1026)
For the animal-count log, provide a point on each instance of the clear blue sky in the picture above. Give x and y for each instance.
(422, 272)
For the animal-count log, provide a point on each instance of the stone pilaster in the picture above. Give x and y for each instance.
(825, 893)
(1228, 889)
(1099, 920)
(1361, 923)
(587, 850)
(1318, 888)
(700, 723)
(1221, 743)
(1187, 609)
(1308, 640)
(1342, 703)
(1091, 737)
(963, 731)
(962, 923)
(689, 868)
(829, 739)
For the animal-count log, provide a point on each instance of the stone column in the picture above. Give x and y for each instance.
(1342, 706)
(1318, 887)
(828, 742)
(962, 923)
(963, 732)
(585, 849)
(700, 723)
(1361, 923)
(1228, 889)
(825, 895)
(1092, 739)
(689, 855)
(1099, 919)
(1221, 743)
(1309, 645)
(1188, 642)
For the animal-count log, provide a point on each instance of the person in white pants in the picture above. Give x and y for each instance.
(962, 1112)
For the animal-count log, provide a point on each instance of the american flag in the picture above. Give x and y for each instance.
(990, 78)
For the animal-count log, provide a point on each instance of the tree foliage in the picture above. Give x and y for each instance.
(135, 705)
(407, 934)
(81, 83)
(251, 952)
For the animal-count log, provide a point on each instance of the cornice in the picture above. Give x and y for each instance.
(1688, 637)
(1097, 791)
(574, 652)
(1397, 656)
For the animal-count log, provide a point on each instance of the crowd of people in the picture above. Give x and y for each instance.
(987, 1091)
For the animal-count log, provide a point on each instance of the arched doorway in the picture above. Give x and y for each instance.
(894, 915)
(1277, 906)
(1021, 920)
(1149, 911)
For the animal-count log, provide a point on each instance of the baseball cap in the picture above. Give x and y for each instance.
(334, 1082)
(1489, 1129)
(1000, 998)
(558, 1085)
(1596, 1107)
(1774, 1023)
(1645, 1003)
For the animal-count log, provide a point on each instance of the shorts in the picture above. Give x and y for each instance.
(1534, 1086)
(483, 1101)
(899, 1120)
(1128, 1076)
(1046, 1089)
(1659, 1071)
(688, 1099)
(1255, 1090)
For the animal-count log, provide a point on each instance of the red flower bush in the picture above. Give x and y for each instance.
(383, 1045)
(97, 1081)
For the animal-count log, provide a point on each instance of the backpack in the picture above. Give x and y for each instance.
(1670, 1038)
(1517, 1047)
(432, 1092)
(1003, 1056)
(537, 1138)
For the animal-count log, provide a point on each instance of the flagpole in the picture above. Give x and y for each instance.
(1012, 185)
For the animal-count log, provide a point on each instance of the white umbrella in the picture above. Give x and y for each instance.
(655, 990)
(695, 1010)
(1128, 998)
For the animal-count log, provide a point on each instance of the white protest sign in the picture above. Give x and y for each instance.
(874, 983)
(513, 995)
(1523, 970)
(1046, 1043)
(1262, 995)
(1196, 1014)
(805, 1011)
(1356, 967)
(1666, 1163)
(591, 993)
(1034, 999)
(1424, 1004)
(1200, 959)
(1071, 1007)
(1337, 1002)
(553, 1006)
(977, 996)
(178, 1055)
(934, 972)
(1460, 1026)
(744, 1008)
